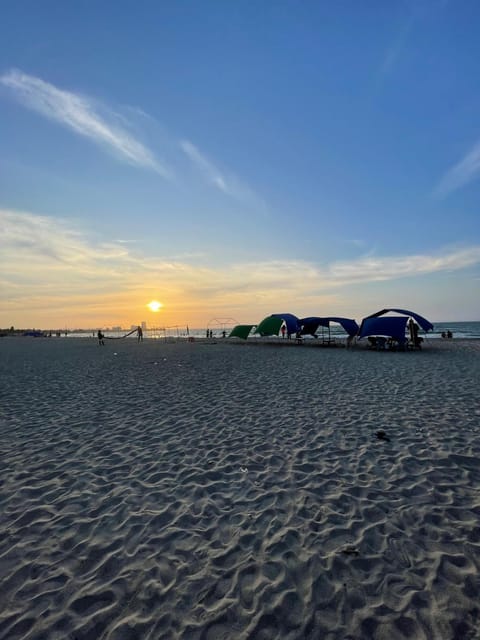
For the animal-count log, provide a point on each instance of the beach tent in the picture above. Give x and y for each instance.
(270, 326)
(241, 331)
(310, 325)
(391, 327)
(420, 320)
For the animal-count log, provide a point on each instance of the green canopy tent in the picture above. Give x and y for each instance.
(241, 331)
(270, 326)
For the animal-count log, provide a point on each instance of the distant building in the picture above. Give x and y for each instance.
(144, 325)
(116, 328)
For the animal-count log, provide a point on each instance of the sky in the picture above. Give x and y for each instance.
(237, 159)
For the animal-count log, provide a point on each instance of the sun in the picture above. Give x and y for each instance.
(154, 306)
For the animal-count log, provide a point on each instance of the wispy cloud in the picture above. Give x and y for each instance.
(113, 131)
(397, 45)
(211, 173)
(415, 14)
(376, 269)
(81, 115)
(227, 183)
(462, 173)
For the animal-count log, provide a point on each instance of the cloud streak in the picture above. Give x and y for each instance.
(462, 173)
(227, 184)
(377, 269)
(80, 114)
(211, 173)
(111, 131)
(397, 46)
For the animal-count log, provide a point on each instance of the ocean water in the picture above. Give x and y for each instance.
(458, 329)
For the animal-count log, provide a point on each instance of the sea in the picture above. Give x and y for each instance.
(463, 330)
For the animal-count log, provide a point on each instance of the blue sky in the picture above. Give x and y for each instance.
(238, 159)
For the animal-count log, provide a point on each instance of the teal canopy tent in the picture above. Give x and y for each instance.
(269, 326)
(241, 331)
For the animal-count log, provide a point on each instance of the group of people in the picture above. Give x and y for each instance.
(210, 333)
(448, 334)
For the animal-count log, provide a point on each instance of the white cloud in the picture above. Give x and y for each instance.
(397, 45)
(112, 131)
(211, 173)
(371, 269)
(462, 173)
(80, 114)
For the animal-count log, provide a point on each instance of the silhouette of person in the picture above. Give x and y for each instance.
(139, 334)
(100, 337)
(283, 330)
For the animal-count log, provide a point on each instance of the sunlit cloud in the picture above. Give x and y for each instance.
(375, 269)
(462, 173)
(81, 115)
(52, 266)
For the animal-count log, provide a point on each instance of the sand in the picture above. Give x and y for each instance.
(215, 491)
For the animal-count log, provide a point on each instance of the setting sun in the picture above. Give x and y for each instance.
(154, 305)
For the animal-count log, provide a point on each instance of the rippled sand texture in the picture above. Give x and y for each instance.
(223, 491)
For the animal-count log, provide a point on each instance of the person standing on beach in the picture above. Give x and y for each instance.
(139, 334)
(283, 331)
(100, 336)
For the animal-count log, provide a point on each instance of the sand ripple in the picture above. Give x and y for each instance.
(215, 492)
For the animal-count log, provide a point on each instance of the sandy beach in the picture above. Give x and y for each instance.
(216, 491)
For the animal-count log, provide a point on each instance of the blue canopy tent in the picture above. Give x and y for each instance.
(310, 325)
(392, 327)
(271, 324)
(420, 320)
